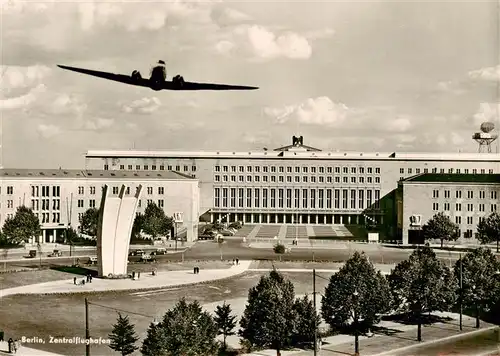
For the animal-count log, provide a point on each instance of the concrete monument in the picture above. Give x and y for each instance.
(116, 218)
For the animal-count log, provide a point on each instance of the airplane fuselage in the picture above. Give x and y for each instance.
(158, 76)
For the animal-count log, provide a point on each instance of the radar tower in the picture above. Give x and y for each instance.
(486, 137)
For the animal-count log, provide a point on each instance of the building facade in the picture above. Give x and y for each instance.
(297, 183)
(60, 197)
(465, 198)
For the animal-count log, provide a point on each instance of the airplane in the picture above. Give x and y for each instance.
(157, 80)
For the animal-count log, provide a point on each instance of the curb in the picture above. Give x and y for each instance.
(437, 341)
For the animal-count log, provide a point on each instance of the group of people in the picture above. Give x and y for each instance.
(82, 282)
(13, 345)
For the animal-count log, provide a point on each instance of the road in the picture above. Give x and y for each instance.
(209, 250)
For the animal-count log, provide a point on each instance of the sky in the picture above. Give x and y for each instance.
(383, 76)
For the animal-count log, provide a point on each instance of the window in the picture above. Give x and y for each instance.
(193, 168)
(273, 169)
(369, 170)
(224, 197)
(34, 191)
(328, 198)
(474, 171)
(249, 168)
(161, 190)
(458, 194)
(321, 170)
(297, 198)
(146, 167)
(56, 191)
(470, 207)
(417, 171)
(458, 219)
(106, 167)
(447, 194)
(153, 168)
(280, 198)
(304, 169)
(353, 199)
(426, 170)
(320, 198)
(249, 198)
(233, 179)
(288, 198)
(353, 170)
(409, 171)
(470, 194)
(10, 204)
(337, 170)
(361, 199)
(470, 220)
(493, 208)
(344, 198)
(161, 203)
(217, 197)
(81, 190)
(92, 203)
(369, 199)
(458, 207)
(337, 198)
(313, 198)
(435, 206)
(273, 198)
(273, 179)
(257, 197)
(217, 168)
(361, 170)
(56, 218)
(304, 179)
(233, 196)
(137, 167)
(240, 197)
(249, 178)
(178, 168)
(435, 193)
(264, 198)
(233, 169)
(353, 180)
(345, 170)
(377, 180)
(217, 178)
(304, 198)
(401, 171)
(281, 169)
(482, 194)
(447, 206)
(80, 203)
(344, 179)
(150, 190)
(481, 207)
(493, 194)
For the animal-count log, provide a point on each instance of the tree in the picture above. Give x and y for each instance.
(225, 321)
(21, 227)
(123, 336)
(89, 221)
(357, 292)
(185, 330)
(421, 284)
(440, 227)
(307, 321)
(155, 222)
(269, 317)
(488, 230)
(137, 226)
(154, 343)
(477, 271)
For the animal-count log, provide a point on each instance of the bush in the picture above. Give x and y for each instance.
(279, 248)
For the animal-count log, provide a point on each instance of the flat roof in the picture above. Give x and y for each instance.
(347, 155)
(453, 178)
(89, 174)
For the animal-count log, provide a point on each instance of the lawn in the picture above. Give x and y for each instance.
(64, 315)
(16, 279)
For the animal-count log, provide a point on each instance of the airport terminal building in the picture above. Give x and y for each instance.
(299, 184)
(59, 197)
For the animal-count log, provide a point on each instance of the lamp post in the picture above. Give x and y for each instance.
(461, 292)
(476, 304)
(314, 306)
(356, 338)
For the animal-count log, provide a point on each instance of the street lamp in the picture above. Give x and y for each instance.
(356, 338)
(476, 304)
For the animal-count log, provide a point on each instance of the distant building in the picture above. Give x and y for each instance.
(298, 183)
(59, 197)
(465, 198)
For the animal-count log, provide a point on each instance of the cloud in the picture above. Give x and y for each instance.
(400, 124)
(48, 130)
(486, 74)
(143, 106)
(98, 124)
(312, 111)
(319, 34)
(229, 16)
(22, 101)
(262, 43)
(487, 112)
(15, 77)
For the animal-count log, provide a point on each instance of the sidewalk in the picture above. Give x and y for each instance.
(146, 281)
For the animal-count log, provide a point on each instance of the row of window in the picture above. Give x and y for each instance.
(45, 218)
(470, 194)
(153, 167)
(296, 198)
(297, 169)
(442, 170)
(296, 179)
(470, 207)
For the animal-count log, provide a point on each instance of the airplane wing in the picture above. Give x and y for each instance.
(169, 85)
(127, 79)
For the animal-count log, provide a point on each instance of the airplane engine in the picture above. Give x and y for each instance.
(136, 75)
(178, 80)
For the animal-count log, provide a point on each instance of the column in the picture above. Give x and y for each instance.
(293, 218)
(268, 218)
(317, 218)
(341, 219)
(44, 234)
(251, 218)
(284, 218)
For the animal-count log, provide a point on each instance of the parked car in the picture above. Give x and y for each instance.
(160, 251)
(32, 254)
(136, 253)
(147, 258)
(92, 261)
(56, 253)
(227, 233)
